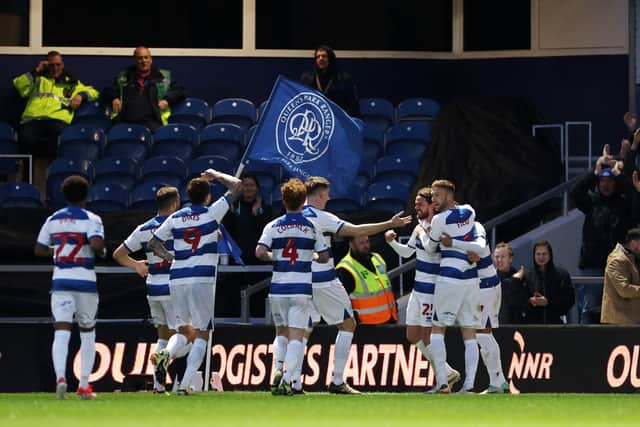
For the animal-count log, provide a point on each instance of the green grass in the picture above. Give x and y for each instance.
(320, 409)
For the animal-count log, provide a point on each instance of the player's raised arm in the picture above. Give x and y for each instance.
(405, 251)
(233, 184)
(396, 221)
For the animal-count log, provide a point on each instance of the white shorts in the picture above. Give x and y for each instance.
(456, 303)
(194, 304)
(294, 312)
(420, 309)
(162, 313)
(332, 303)
(490, 300)
(64, 304)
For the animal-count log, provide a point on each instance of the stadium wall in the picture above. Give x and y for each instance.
(550, 359)
(590, 87)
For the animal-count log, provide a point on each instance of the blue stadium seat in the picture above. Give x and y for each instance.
(176, 140)
(108, 197)
(82, 142)
(121, 171)
(377, 112)
(408, 139)
(269, 175)
(238, 111)
(418, 109)
(219, 163)
(191, 111)
(128, 140)
(350, 201)
(168, 170)
(143, 196)
(94, 114)
(261, 108)
(8, 145)
(387, 196)
(401, 170)
(222, 139)
(373, 139)
(19, 195)
(56, 174)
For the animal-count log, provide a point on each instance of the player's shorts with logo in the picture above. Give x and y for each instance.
(332, 303)
(294, 311)
(67, 304)
(194, 303)
(456, 304)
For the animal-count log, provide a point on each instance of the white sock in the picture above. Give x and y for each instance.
(439, 354)
(176, 342)
(87, 356)
(161, 344)
(341, 355)
(293, 359)
(279, 351)
(59, 351)
(471, 357)
(490, 352)
(194, 360)
(296, 377)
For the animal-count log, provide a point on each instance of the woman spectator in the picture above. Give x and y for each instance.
(549, 288)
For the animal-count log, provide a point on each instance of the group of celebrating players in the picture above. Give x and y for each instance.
(455, 282)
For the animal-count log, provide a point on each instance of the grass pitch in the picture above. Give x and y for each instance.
(319, 409)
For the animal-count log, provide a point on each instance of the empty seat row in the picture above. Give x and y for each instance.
(380, 113)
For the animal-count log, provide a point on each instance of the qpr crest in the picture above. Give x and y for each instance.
(304, 129)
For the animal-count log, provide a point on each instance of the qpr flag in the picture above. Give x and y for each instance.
(308, 135)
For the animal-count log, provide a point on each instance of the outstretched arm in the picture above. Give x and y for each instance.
(233, 184)
(403, 250)
(396, 221)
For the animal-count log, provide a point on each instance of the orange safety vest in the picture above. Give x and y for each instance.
(372, 299)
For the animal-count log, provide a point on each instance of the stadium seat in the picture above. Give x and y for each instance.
(269, 175)
(373, 137)
(58, 171)
(93, 114)
(401, 170)
(128, 140)
(121, 171)
(238, 111)
(19, 195)
(387, 197)
(219, 163)
(261, 108)
(108, 197)
(408, 139)
(81, 141)
(169, 170)
(143, 196)
(8, 145)
(191, 111)
(350, 201)
(220, 139)
(176, 140)
(377, 113)
(418, 109)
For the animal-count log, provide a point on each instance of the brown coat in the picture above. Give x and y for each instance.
(621, 296)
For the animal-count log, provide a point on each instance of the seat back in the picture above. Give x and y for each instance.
(414, 109)
(191, 111)
(82, 142)
(239, 111)
(128, 140)
(169, 170)
(108, 197)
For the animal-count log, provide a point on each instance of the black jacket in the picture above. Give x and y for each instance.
(335, 84)
(606, 221)
(246, 228)
(513, 293)
(131, 111)
(555, 284)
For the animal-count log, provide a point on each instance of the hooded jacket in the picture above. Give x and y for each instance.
(335, 84)
(555, 284)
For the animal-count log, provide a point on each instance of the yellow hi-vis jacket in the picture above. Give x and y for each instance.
(50, 98)
(372, 299)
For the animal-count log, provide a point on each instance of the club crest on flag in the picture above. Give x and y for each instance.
(304, 129)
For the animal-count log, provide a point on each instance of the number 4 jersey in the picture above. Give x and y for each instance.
(292, 239)
(69, 231)
(194, 230)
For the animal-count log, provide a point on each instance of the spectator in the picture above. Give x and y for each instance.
(550, 292)
(335, 84)
(143, 93)
(364, 276)
(511, 284)
(54, 95)
(248, 218)
(621, 299)
(607, 217)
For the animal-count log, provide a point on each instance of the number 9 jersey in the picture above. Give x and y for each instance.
(69, 231)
